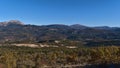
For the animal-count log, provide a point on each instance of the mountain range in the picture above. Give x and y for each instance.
(16, 31)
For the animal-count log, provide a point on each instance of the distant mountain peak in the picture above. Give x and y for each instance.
(78, 26)
(15, 22)
(11, 22)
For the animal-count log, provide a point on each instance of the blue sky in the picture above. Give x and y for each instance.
(43, 12)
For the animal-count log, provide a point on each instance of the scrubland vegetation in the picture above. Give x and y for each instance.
(26, 57)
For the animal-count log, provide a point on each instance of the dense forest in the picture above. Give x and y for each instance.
(25, 57)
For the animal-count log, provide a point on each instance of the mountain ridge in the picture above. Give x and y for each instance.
(5, 23)
(19, 32)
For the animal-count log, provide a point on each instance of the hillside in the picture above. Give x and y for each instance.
(16, 31)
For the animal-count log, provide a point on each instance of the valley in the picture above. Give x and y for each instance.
(58, 46)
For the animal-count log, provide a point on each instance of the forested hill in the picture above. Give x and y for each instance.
(16, 31)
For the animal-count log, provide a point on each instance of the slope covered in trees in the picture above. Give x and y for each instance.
(15, 31)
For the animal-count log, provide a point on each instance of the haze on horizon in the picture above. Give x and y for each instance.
(43, 12)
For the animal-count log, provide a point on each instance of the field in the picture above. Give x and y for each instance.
(52, 57)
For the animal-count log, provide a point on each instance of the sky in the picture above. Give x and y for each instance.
(44, 12)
